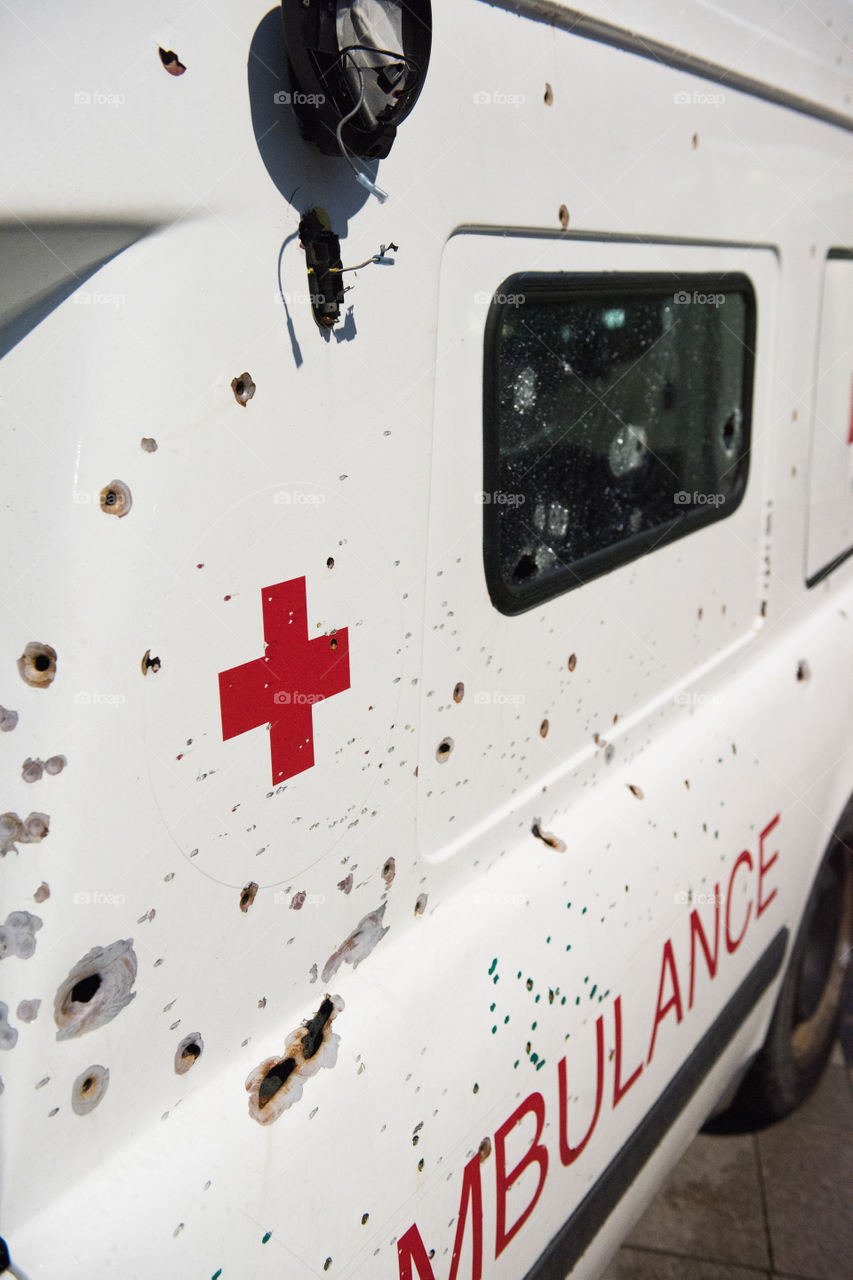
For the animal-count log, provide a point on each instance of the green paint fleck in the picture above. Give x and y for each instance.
(586, 979)
(216, 1274)
(536, 1001)
(577, 999)
(266, 1236)
(534, 1057)
(491, 1008)
(563, 1001)
(583, 913)
(540, 1064)
(493, 965)
(533, 1026)
(515, 1064)
(594, 989)
(518, 975)
(494, 1029)
(568, 905)
(495, 978)
(548, 939)
(568, 946)
(506, 1019)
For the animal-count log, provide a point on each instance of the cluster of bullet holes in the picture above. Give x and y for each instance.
(188, 1053)
(443, 750)
(276, 1083)
(88, 1089)
(553, 842)
(32, 770)
(243, 388)
(149, 664)
(116, 499)
(18, 935)
(171, 62)
(14, 830)
(37, 665)
(247, 896)
(96, 990)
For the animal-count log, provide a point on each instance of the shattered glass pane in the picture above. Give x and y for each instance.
(619, 415)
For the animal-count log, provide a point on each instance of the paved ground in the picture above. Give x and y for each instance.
(762, 1206)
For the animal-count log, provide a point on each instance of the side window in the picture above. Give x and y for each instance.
(830, 535)
(616, 417)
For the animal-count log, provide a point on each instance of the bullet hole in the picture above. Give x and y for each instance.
(8, 1035)
(8, 720)
(148, 444)
(88, 1089)
(635, 791)
(243, 388)
(116, 499)
(573, 662)
(443, 750)
(262, 1003)
(553, 842)
(695, 141)
(609, 752)
(763, 609)
(333, 644)
(28, 1010)
(543, 729)
(327, 1264)
(37, 665)
(247, 896)
(171, 62)
(18, 935)
(563, 215)
(330, 563)
(96, 990)
(803, 670)
(476, 1089)
(389, 871)
(345, 885)
(297, 902)
(485, 1149)
(42, 893)
(31, 770)
(364, 1219)
(420, 904)
(55, 765)
(458, 692)
(188, 1053)
(548, 97)
(277, 1083)
(149, 664)
(364, 937)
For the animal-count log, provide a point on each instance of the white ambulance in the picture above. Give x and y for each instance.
(427, 621)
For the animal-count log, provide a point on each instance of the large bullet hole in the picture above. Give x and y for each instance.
(149, 664)
(313, 1038)
(553, 842)
(86, 989)
(96, 989)
(171, 62)
(116, 499)
(247, 897)
(243, 388)
(443, 750)
(18, 934)
(188, 1053)
(88, 1089)
(274, 1080)
(365, 936)
(37, 665)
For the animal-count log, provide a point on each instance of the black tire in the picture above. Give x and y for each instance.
(805, 1022)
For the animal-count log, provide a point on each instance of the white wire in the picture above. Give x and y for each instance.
(360, 176)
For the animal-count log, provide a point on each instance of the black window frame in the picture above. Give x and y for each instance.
(583, 286)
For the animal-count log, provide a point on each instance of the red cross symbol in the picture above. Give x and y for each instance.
(281, 688)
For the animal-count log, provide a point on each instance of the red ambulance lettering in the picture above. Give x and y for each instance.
(569, 1154)
(535, 1154)
(697, 931)
(732, 944)
(620, 1089)
(674, 1002)
(764, 867)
